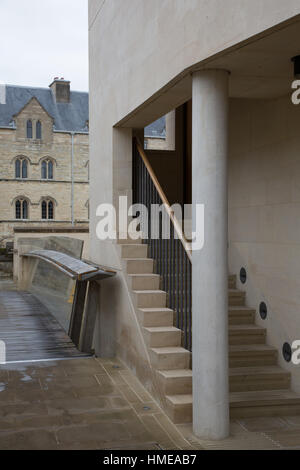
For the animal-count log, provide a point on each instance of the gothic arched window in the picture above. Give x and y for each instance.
(18, 209)
(21, 207)
(50, 170)
(25, 210)
(47, 169)
(21, 168)
(29, 129)
(18, 168)
(44, 170)
(50, 210)
(24, 169)
(47, 209)
(38, 130)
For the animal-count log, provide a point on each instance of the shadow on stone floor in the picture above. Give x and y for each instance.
(83, 404)
(80, 404)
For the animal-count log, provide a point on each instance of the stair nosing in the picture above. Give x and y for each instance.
(247, 326)
(152, 291)
(144, 275)
(186, 373)
(161, 329)
(257, 370)
(174, 350)
(252, 348)
(262, 398)
(138, 259)
(156, 309)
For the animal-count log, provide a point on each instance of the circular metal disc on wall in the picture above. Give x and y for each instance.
(243, 276)
(263, 310)
(287, 352)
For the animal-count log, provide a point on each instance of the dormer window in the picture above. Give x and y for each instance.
(38, 130)
(29, 129)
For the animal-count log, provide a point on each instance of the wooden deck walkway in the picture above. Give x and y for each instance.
(30, 331)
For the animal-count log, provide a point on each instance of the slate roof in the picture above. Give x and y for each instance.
(157, 129)
(71, 116)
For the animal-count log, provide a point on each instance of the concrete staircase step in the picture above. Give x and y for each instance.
(139, 266)
(266, 403)
(144, 281)
(242, 405)
(176, 381)
(150, 317)
(161, 337)
(241, 316)
(246, 334)
(128, 241)
(247, 379)
(258, 387)
(150, 298)
(170, 358)
(133, 251)
(232, 281)
(180, 408)
(252, 355)
(236, 297)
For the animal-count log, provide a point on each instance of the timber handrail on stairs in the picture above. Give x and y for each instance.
(177, 226)
(258, 386)
(172, 255)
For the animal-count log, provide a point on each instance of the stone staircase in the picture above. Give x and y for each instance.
(258, 386)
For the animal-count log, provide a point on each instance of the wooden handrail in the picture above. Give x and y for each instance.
(176, 224)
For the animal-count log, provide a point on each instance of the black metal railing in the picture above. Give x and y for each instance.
(172, 259)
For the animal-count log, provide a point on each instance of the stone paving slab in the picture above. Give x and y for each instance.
(80, 404)
(270, 433)
(88, 404)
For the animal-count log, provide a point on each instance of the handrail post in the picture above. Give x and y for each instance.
(78, 307)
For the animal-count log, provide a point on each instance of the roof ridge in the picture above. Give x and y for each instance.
(29, 87)
(71, 116)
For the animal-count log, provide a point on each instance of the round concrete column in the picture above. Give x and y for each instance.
(210, 267)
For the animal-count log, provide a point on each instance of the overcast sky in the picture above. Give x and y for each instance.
(42, 39)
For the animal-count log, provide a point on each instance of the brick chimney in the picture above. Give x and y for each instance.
(61, 90)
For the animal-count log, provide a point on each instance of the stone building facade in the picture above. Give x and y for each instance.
(44, 155)
(155, 135)
(229, 73)
(160, 134)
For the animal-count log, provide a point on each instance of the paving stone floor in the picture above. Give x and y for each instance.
(88, 403)
(99, 404)
(253, 434)
(80, 404)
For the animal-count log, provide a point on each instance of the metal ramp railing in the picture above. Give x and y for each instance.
(85, 304)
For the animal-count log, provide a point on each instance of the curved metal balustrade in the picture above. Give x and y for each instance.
(74, 303)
